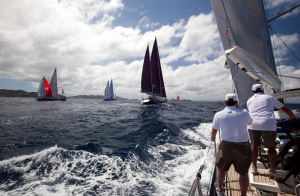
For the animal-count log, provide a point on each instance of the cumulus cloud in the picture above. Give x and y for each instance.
(77, 37)
(280, 44)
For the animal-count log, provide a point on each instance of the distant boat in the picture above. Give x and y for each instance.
(109, 92)
(178, 99)
(152, 82)
(49, 92)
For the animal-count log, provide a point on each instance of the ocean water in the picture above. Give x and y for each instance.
(93, 147)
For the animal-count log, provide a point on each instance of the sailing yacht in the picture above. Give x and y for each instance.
(152, 82)
(244, 33)
(50, 92)
(109, 92)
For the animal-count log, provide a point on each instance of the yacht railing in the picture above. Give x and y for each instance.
(197, 184)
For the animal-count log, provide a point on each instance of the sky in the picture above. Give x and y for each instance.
(93, 41)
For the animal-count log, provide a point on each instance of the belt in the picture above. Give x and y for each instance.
(238, 143)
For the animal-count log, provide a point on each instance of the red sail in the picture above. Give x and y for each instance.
(48, 92)
(146, 74)
(177, 98)
(156, 71)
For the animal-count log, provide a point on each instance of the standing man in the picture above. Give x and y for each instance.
(261, 109)
(234, 148)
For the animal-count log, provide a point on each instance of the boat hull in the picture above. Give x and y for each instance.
(154, 100)
(110, 99)
(51, 99)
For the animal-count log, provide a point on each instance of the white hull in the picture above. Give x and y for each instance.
(154, 100)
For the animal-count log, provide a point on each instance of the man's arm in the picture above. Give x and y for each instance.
(288, 112)
(213, 134)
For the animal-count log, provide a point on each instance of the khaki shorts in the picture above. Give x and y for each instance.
(268, 136)
(239, 155)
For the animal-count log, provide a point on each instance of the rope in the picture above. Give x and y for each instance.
(284, 44)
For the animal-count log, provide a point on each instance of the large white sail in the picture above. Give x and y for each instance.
(242, 23)
(111, 90)
(53, 85)
(41, 92)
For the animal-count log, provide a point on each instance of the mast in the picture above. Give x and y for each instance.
(283, 13)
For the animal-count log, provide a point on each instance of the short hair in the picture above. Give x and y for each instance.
(230, 102)
(259, 90)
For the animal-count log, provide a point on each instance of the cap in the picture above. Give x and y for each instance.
(230, 96)
(257, 86)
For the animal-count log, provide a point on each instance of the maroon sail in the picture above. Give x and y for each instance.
(155, 69)
(146, 74)
(162, 85)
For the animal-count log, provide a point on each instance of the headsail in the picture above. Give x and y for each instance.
(162, 85)
(48, 92)
(111, 90)
(242, 23)
(53, 85)
(146, 74)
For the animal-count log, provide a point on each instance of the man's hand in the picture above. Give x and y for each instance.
(293, 117)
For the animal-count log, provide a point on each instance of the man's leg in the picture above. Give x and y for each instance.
(220, 178)
(255, 155)
(272, 153)
(244, 184)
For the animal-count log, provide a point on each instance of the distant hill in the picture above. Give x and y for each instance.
(16, 93)
(90, 97)
(21, 93)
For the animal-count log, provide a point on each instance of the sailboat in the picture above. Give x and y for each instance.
(50, 92)
(109, 92)
(152, 82)
(243, 29)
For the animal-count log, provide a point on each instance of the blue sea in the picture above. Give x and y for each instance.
(94, 147)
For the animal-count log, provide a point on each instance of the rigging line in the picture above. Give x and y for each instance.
(269, 40)
(284, 44)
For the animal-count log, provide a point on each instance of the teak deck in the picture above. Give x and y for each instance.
(260, 181)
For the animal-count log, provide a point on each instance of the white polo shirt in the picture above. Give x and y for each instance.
(261, 109)
(233, 123)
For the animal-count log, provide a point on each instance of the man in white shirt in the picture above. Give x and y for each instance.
(261, 109)
(234, 148)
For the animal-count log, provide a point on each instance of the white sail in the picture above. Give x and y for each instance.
(53, 85)
(242, 23)
(106, 92)
(41, 92)
(111, 90)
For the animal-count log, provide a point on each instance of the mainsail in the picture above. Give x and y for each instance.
(242, 23)
(53, 85)
(155, 70)
(41, 92)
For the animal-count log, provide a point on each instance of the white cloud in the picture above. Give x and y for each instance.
(145, 22)
(144, 12)
(280, 49)
(79, 40)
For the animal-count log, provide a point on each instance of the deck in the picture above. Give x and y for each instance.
(260, 181)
